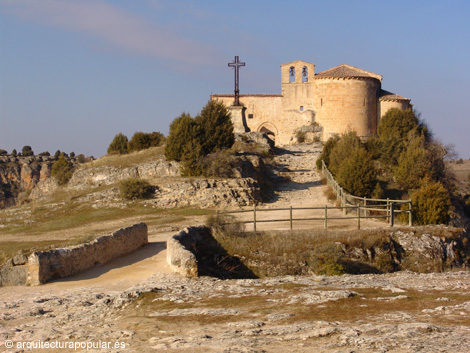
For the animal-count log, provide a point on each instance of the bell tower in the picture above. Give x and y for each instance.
(297, 80)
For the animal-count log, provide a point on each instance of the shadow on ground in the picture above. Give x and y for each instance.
(146, 252)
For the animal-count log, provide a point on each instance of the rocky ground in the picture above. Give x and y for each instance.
(137, 302)
(402, 312)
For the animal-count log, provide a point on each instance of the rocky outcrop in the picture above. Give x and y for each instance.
(89, 177)
(181, 259)
(207, 193)
(255, 140)
(419, 249)
(21, 174)
(33, 175)
(41, 266)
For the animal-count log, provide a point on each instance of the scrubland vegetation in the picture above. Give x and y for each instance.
(403, 161)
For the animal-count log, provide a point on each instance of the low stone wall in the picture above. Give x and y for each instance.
(42, 266)
(181, 259)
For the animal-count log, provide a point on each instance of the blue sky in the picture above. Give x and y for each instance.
(74, 73)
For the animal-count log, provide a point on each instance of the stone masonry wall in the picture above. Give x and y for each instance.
(344, 104)
(386, 105)
(42, 266)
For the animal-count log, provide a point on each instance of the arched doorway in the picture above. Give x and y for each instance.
(269, 129)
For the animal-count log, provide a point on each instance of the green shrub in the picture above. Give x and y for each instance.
(378, 192)
(181, 131)
(118, 145)
(301, 136)
(356, 174)
(191, 161)
(325, 260)
(397, 123)
(192, 139)
(27, 151)
(132, 189)
(81, 158)
(413, 165)
(62, 170)
(374, 147)
(345, 146)
(325, 154)
(14, 153)
(394, 130)
(215, 128)
(142, 141)
(220, 164)
(3, 152)
(431, 203)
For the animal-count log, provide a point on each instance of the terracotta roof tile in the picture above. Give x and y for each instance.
(389, 96)
(347, 71)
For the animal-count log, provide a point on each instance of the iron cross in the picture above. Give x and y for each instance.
(236, 65)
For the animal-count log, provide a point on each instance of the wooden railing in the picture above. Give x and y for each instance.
(352, 207)
(392, 207)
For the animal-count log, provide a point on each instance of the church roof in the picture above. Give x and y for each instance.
(347, 71)
(389, 96)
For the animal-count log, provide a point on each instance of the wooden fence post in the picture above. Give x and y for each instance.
(358, 217)
(291, 228)
(392, 214)
(410, 215)
(254, 218)
(388, 210)
(325, 224)
(365, 206)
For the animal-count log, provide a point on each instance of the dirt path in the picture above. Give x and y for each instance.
(299, 185)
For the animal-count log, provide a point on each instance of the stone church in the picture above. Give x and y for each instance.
(331, 102)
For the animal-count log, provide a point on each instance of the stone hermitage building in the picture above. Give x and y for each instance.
(331, 102)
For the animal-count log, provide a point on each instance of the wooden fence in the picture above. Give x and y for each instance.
(352, 207)
(392, 207)
(357, 212)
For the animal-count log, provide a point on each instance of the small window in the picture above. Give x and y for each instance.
(250, 116)
(321, 102)
(301, 108)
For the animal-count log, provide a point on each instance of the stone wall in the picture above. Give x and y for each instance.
(42, 266)
(179, 256)
(344, 104)
(266, 113)
(386, 105)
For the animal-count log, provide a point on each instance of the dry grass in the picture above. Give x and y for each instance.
(126, 160)
(330, 194)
